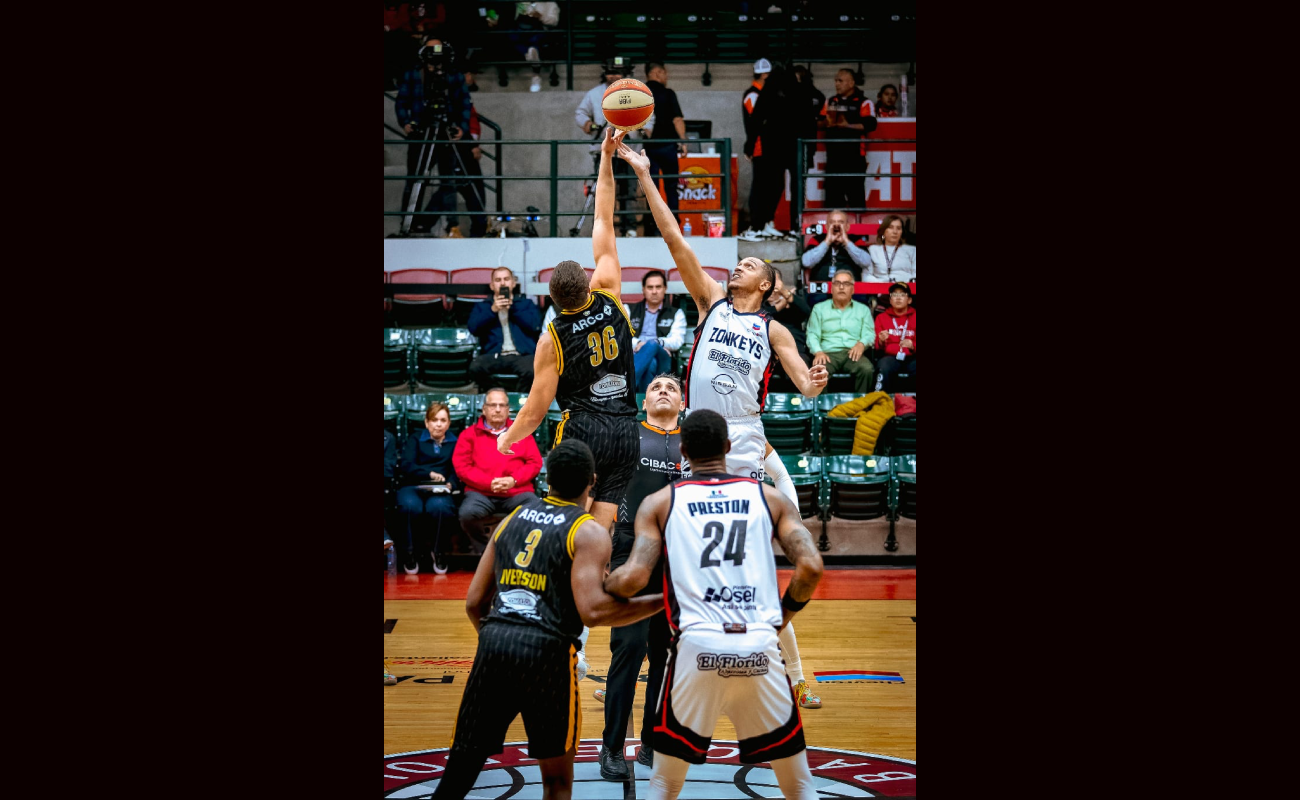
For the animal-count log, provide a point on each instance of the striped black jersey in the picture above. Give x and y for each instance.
(661, 463)
(534, 561)
(593, 346)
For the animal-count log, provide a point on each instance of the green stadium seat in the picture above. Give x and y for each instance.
(835, 435)
(460, 407)
(806, 475)
(397, 356)
(394, 405)
(859, 486)
(788, 423)
(442, 357)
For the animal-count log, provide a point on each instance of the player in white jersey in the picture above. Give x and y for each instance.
(715, 531)
(731, 363)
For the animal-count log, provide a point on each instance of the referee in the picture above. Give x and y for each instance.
(529, 606)
(660, 464)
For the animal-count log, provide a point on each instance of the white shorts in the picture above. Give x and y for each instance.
(742, 675)
(748, 444)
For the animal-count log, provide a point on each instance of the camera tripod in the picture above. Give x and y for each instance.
(428, 158)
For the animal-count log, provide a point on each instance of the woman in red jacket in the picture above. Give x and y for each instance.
(896, 338)
(494, 483)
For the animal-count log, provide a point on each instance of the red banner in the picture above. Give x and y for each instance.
(882, 158)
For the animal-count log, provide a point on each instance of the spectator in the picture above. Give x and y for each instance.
(815, 100)
(790, 308)
(495, 483)
(660, 328)
(663, 157)
(848, 118)
(591, 119)
(531, 19)
(886, 101)
(772, 107)
(839, 332)
(834, 251)
(891, 260)
(896, 337)
(507, 327)
(432, 103)
(430, 479)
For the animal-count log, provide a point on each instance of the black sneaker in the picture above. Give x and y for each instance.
(613, 767)
(410, 565)
(439, 563)
(646, 757)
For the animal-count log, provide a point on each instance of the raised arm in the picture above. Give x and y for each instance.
(810, 382)
(546, 379)
(603, 244)
(797, 544)
(633, 575)
(703, 289)
(591, 549)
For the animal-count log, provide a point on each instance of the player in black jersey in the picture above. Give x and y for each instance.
(538, 582)
(661, 463)
(587, 366)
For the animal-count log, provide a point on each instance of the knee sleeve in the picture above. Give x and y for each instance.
(780, 477)
(792, 775)
(668, 776)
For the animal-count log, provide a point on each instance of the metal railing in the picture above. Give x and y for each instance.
(483, 121)
(802, 175)
(724, 148)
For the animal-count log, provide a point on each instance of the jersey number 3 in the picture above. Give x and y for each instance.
(610, 346)
(525, 556)
(735, 549)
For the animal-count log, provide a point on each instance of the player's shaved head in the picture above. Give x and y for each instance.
(704, 435)
(569, 468)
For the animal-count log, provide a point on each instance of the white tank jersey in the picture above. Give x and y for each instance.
(731, 362)
(719, 566)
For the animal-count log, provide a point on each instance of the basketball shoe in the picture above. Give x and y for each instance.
(805, 696)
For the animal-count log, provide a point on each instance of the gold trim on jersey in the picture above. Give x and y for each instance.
(557, 501)
(618, 303)
(559, 430)
(502, 526)
(591, 298)
(559, 349)
(575, 707)
(573, 530)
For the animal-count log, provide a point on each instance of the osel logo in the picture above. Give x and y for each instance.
(512, 774)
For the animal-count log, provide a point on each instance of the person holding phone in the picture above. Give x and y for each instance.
(507, 327)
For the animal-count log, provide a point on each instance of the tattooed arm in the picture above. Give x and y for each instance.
(632, 577)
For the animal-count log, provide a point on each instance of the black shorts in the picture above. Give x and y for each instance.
(616, 444)
(520, 669)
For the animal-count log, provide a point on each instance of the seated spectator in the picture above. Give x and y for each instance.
(495, 483)
(531, 19)
(891, 260)
(427, 470)
(833, 251)
(790, 308)
(839, 333)
(507, 327)
(660, 328)
(895, 335)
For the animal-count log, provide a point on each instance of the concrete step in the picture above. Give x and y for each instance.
(782, 254)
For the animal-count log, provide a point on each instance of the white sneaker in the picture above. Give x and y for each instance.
(536, 84)
(582, 665)
(532, 55)
(750, 235)
(770, 231)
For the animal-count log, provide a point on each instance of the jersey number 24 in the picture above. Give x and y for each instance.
(735, 549)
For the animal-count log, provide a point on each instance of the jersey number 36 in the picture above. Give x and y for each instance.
(610, 346)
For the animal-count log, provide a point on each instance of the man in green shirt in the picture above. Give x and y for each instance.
(839, 332)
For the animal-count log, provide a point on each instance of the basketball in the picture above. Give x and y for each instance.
(627, 104)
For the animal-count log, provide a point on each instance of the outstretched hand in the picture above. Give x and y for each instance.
(503, 446)
(640, 161)
(612, 141)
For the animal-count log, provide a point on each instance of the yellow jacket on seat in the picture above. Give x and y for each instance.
(872, 411)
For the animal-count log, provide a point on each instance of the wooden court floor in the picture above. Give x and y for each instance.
(860, 619)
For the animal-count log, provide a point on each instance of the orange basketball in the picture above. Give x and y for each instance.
(627, 104)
